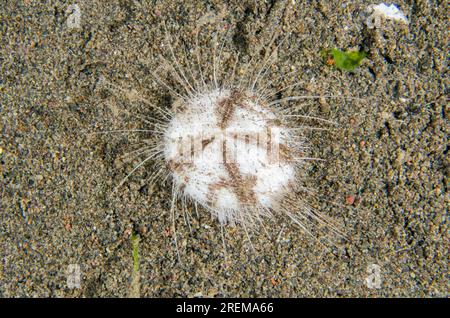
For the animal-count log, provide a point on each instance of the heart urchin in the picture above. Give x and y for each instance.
(232, 147)
(228, 151)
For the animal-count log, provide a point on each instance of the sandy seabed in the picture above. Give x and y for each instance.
(384, 181)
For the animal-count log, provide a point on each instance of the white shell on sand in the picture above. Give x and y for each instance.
(391, 12)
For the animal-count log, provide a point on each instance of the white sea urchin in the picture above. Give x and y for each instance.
(228, 151)
(229, 146)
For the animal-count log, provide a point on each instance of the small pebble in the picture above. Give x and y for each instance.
(350, 199)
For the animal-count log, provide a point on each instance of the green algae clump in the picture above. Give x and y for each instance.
(347, 61)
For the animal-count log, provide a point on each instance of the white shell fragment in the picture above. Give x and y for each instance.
(391, 12)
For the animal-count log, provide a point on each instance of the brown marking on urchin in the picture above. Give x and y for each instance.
(224, 150)
(242, 185)
(226, 106)
(213, 187)
(206, 142)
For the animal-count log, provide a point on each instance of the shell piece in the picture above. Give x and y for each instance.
(391, 12)
(223, 150)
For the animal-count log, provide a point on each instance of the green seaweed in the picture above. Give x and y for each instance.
(134, 290)
(346, 61)
(135, 244)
